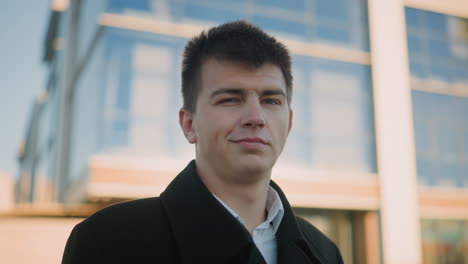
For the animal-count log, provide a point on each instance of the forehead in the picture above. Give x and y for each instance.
(217, 73)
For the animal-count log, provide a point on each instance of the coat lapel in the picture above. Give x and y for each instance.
(205, 232)
(292, 246)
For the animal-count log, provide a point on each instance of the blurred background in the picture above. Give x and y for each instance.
(377, 158)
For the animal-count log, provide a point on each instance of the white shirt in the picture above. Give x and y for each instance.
(264, 235)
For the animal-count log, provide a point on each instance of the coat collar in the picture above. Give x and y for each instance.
(292, 246)
(213, 235)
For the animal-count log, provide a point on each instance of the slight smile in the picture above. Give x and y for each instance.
(250, 143)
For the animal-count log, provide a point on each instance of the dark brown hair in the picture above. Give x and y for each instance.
(237, 41)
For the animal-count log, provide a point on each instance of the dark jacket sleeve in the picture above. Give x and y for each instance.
(319, 243)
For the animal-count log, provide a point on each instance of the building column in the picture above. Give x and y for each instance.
(396, 161)
(65, 93)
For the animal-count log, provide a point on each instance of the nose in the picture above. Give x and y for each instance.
(253, 115)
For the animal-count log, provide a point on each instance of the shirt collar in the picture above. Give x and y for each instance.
(274, 208)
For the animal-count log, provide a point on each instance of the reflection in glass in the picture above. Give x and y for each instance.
(444, 241)
(438, 56)
(341, 23)
(333, 119)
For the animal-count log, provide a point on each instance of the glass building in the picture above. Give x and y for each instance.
(438, 59)
(378, 154)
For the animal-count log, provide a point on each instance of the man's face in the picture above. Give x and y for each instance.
(242, 117)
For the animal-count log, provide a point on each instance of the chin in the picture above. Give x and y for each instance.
(254, 169)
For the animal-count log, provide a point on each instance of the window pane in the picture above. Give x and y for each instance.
(334, 116)
(438, 56)
(444, 241)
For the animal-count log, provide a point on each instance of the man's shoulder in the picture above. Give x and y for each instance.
(131, 225)
(121, 233)
(319, 242)
(135, 211)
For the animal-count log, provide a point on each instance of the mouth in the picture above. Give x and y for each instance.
(250, 140)
(251, 143)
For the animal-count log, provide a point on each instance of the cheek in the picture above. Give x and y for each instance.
(223, 122)
(279, 122)
(279, 129)
(214, 128)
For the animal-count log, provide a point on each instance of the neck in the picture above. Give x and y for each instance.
(248, 200)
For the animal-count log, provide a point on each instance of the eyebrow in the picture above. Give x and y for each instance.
(239, 91)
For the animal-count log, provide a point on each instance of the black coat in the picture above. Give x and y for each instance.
(186, 224)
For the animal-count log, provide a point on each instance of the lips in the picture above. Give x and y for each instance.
(250, 140)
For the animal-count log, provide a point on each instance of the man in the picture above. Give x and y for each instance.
(223, 207)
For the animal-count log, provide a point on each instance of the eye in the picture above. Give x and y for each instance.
(271, 101)
(231, 100)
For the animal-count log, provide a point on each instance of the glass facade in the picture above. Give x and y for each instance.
(438, 47)
(441, 133)
(444, 241)
(86, 115)
(333, 124)
(310, 20)
(131, 88)
(438, 56)
(141, 83)
(126, 99)
(88, 16)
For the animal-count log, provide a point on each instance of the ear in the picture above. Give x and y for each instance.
(290, 120)
(186, 123)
